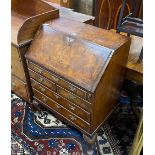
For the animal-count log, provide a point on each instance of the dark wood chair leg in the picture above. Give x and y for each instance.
(90, 141)
(121, 15)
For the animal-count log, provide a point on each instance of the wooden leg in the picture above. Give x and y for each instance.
(90, 141)
(35, 106)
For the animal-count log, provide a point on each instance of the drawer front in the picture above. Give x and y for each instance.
(73, 89)
(43, 89)
(43, 72)
(74, 109)
(71, 97)
(79, 92)
(17, 69)
(14, 53)
(42, 80)
(65, 103)
(19, 87)
(62, 111)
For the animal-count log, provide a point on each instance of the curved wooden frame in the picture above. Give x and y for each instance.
(32, 28)
(41, 13)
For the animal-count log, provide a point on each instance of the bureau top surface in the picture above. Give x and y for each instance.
(77, 60)
(88, 32)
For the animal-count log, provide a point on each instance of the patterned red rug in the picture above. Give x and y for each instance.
(43, 134)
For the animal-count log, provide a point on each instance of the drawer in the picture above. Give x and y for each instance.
(64, 102)
(79, 92)
(42, 80)
(61, 110)
(74, 99)
(43, 89)
(19, 87)
(43, 72)
(17, 69)
(14, 53)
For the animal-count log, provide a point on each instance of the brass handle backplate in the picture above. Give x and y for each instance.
(57, 96)
(73, 89)
(55, 78)
(41, 80)
(71, 107)
(39, 70)
(89, 96)
(57, 106)
(44, 99)
(72, 118)
(71, 97)
(42, 89)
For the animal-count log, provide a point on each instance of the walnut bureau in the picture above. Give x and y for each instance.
(26, 17)
(74, 75)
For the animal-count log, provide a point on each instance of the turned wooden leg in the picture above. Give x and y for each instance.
(90, 141)
(32, 107)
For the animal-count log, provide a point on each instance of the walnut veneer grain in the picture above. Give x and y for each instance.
(92, 69)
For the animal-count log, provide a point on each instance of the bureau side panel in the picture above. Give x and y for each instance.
(19, 87)
(18, 80)
(20, 72)
(108, 90)
(16, 64)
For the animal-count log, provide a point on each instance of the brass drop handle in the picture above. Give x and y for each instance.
(73, 89)
(39, 70)
(71, 97)
(42, 89)
(57, 96)
(71, 107)
(57, 106)
(41, 80)
(72, 118)
(13, 85)
(55, 78)
(44, 99)
(89, 96)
